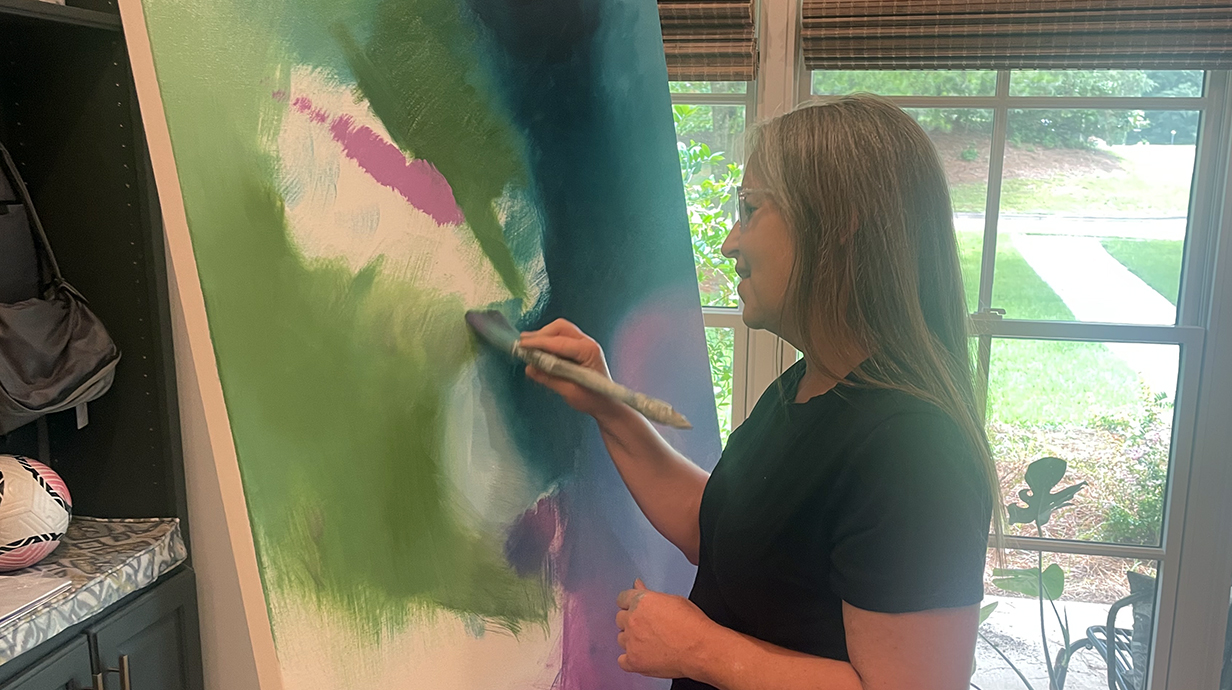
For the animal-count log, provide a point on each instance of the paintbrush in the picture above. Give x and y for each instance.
(493, 328)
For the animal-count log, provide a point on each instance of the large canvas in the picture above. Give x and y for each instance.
(355, 175)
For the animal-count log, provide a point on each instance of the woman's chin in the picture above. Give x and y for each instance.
(751, 317)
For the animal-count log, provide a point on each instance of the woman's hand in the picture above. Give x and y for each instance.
(662, 634)
(567, 341)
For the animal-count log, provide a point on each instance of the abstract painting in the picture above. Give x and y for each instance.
(356, 174)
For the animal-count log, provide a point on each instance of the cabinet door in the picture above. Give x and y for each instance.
(68, 668)
(153, 643)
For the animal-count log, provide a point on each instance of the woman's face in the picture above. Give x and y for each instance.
(764, 252)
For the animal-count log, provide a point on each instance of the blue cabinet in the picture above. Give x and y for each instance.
(148, 642)
(152, 643)
(65, 669)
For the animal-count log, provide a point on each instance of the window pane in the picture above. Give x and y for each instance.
(1092, 217)
(963, 137)
(1091, 585)
(1107, 82)
(1105, 409)
(709, 140)
(721, 344)
(906, 82)
(708, 86)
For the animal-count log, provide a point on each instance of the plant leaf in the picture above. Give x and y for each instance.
(1026, 581)
(1045, 473)
(986, 611)
(1041, 476)
(1020, 515)
(1054, 582)
(1020, 580)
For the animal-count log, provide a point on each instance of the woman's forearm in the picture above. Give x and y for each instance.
(665, 484)
(729, 660)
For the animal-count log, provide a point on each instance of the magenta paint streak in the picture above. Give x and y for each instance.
(594, 569)
(417, 181)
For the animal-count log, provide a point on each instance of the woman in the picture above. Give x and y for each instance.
(840, 541)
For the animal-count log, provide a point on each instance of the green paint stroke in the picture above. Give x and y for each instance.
(414, 71)
(336, 383)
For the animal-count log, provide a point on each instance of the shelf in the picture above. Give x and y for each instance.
(42, 12)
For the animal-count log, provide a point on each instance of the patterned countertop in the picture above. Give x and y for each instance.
(106, 559)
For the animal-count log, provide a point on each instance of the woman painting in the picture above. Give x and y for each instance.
(840, 541)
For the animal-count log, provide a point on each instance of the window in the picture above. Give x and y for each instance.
(710, 122)
(1077, 199)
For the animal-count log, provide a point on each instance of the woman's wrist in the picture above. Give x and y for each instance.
(615, 416)
(711, 659)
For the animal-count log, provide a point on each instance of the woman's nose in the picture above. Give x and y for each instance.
(729, 244)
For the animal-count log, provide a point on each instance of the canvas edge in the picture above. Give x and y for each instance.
(237, 643)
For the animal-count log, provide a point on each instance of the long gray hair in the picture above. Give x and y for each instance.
(865, 195)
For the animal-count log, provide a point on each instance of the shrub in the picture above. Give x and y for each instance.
(1137, 516)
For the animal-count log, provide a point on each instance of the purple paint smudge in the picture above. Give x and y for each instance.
(530, 540)
(417, 181)
(594, 569)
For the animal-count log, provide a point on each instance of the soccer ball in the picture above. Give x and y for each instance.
(35, 509)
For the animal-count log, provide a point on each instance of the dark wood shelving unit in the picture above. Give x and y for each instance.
(32, 11)
(69, 117)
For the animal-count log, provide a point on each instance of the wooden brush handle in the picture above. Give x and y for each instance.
(653, 409)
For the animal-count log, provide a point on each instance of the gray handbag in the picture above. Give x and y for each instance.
(55, 354)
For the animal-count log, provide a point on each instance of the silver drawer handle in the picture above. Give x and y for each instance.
(126, 681)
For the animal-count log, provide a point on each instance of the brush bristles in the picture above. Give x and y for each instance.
(493, 327)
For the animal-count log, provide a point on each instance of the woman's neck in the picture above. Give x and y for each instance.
(822, 375)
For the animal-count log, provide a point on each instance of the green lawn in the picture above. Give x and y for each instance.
(1087, 195)
(969, 198)
(1115, 194)
(1039, 382)
(1152, 181)
(1156, 262)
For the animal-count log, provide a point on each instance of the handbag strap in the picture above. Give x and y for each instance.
(40, 237)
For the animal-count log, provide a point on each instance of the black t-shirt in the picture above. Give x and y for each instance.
(862, 495)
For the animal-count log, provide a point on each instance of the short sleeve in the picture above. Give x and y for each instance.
(911, 514)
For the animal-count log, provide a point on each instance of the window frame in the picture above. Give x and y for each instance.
(1195, 554)
(1176, 646)
(730, 317)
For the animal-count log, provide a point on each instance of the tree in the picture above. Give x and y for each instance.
(1051, 127)
(1162, 123)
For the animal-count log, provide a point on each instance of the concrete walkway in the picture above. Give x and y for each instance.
(1077, 226)
(1015, 628)
(1097, 287)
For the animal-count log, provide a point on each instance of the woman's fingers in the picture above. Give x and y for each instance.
(561, 386)
(559, 327)
(623, 662)
(628, 599)
(622, 619)
(575, 349)
(562, 339)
